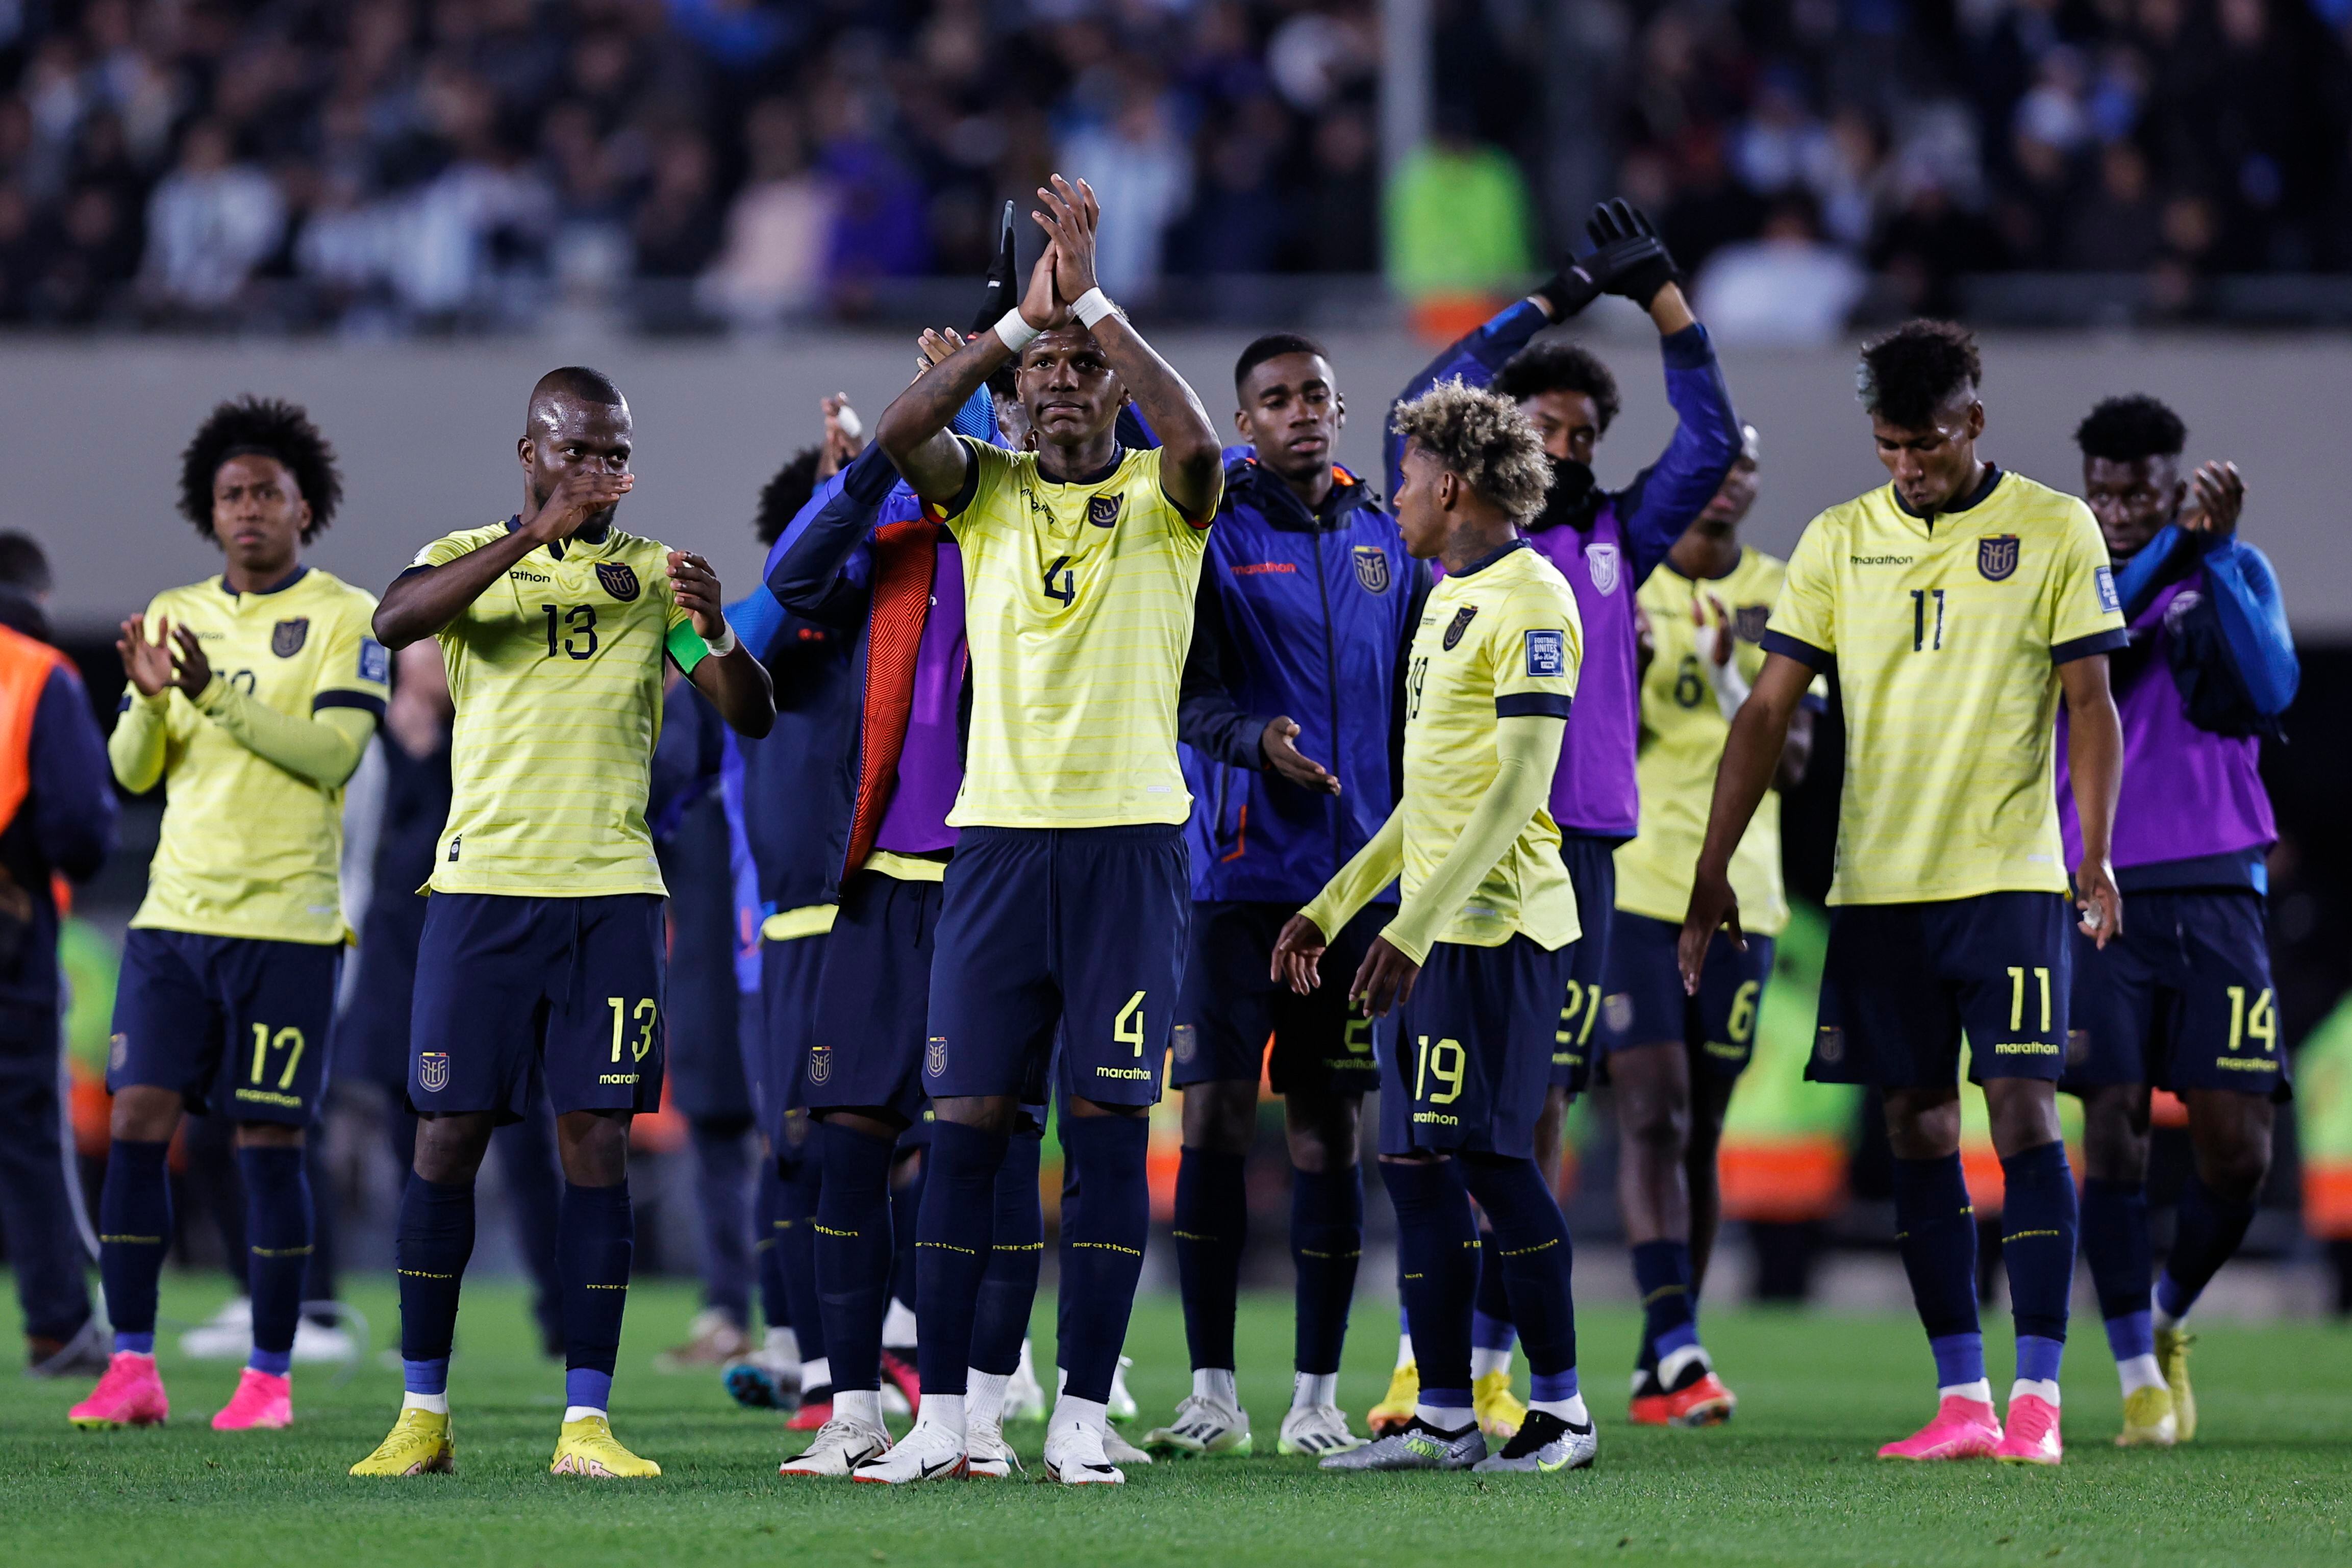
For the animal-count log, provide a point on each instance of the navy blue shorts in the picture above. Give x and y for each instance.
(240, 1026)
(1901, 982)
(2180, 998)
(788, 979)
(512, 990)
(1468, 1060)
(1593, 872)
(1646, 1004)
(872, 1012)
(1079, 930)
(1230, 1005)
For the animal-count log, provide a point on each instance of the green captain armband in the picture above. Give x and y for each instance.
(685, 647)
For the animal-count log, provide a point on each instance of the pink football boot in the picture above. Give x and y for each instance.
(2032, 1433)
(1962, 1429)
(264, 1401)
(130, 1394)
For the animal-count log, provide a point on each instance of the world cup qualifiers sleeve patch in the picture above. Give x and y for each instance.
(1547, 652)
(375, 664)
(2105, 578)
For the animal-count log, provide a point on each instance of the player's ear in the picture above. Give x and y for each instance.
(1339, 406)
(522, 453)
(1976, 418)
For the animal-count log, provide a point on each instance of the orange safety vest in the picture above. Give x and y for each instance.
(26, 664)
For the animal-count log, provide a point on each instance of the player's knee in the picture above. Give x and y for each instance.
(267, 1136)
(1923, 1124)
(2114, 1133)
(1221, 1116)
(450, 1149)
(2235, 1166)
(142, 1113)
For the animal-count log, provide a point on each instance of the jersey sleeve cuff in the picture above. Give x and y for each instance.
(2113, 639)
(1688, 349)
(955, 506)
(1532, 705)
(366, 702)
(1788, 647)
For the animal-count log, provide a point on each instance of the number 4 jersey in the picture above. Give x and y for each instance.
(557, 676)
(1946, 632)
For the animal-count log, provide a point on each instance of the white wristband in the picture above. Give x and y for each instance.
(1093, 306)
(1013, 329)
(726, 644)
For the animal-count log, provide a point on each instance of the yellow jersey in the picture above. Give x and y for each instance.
(248, 848)
(556, 674)
(1500, 641)
(1078, 610)
(1946, 632)
(1683, 734)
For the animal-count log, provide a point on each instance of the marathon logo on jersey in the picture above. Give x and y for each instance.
(375, 664)
(935, 1056)
(1546, 651)
(433, 1071)
(820, 1063)
(1460, 623)
(1602, 561)
(1102, 511)
(1372, 568)
(619, 580)
(286, 638)
(1748, 621)
(2111, 601)
(1997, 556)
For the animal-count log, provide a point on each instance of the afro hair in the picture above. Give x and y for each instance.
(1481, 435)
(1908, 374)
(266, 427)
(783, 497)
(1560, 367)
(2126, 429)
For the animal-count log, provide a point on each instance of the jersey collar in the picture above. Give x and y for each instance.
(1117, 456)
(280, 586)
(557, 549)
(1976, 496)
(1484, 562)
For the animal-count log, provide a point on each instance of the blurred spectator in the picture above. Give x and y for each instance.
(2119, 229)
(1786, 287)
(210, 222)
(1141, 171)
(779, 228)
(1343, 207)
(1459, 220)
(677, 223)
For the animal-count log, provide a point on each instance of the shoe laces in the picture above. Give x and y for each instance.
(1540, 1427)
(843, 1430)
(2032, 1422)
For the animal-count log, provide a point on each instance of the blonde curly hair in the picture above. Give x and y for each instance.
(1482, 436)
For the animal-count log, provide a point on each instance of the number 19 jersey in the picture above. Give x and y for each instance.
(556, 671)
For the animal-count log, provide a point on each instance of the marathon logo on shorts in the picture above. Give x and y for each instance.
(1602, 561)
(1372, 568)
(286, 638)
(2246, 1063)
(935, 1056)
(2025, 1048)
(1546, 651)
(1997, 556)
(1435, 1119)
(820, 1063)
(433, 1071)
(1460, 623)
(619, 579)
(1102, 511)
(1747, 622)
(270, 1097)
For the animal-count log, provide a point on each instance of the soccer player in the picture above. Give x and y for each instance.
(1605, 543)
(1475, 958)
(253, 696)
(1065, 906)
(2182, 998)
(541, 958)
(1674, 1062)
(1956, 604)
(1307, 603)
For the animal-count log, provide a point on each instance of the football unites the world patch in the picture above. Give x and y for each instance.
(1546, 651)
(375, 662)
(1372, 568)
(1997, 556)
(286, 638)
(1102, 511)
(2109, 600)
(618, 578)
(1460, 625)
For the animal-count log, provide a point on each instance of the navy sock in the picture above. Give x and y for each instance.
(2037, 1249)
(953, 1237)
(1326, 1238)
(134, 1232)
(1491, 1325)
(853, 1251)
(1531, 1242)
(2206, 1235)
(796, 1251)
(1437, 1253)
(595, 1242)
(1936, 1230)
(1008, 1286)
(436, 1236)
(767, 1249)
(1106, 1244)
(277, 1248)
(906, 1203)
(722, 1191)
(1661, 1274)
(2115, 1244)
(1212, 1225)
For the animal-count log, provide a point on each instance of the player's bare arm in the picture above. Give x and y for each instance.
(736, 683)
(420, 603)
(913, 430)
(2095, 756)
(1191, 458)
(1750, 756)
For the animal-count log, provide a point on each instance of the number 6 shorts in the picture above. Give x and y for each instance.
(1058, 939)
(510, 988)
(238, 1025)
(1467, 1062)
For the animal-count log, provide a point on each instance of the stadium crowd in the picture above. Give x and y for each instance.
(395, 165)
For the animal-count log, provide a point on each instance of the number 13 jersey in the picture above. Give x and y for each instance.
(1946, 632)
(1078, 611)
(556, 671)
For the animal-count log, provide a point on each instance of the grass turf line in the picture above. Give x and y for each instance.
(1790, 1480)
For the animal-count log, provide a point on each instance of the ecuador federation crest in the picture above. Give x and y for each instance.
(618, 578)
(433, 1071)
(935, 1056)
(1602, 559)
(1997, 556)
(1748, 621)
(1185, 1041)
(286, 638)
(820, 1063)
(1102, 511)
(1460, 623)
(1372, 568)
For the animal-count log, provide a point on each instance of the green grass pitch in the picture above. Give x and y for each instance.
(1791, 1481)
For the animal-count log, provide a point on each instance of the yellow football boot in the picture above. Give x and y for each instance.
(589, 1448)
(420, 1445)
(1392, 1413)
(1500, 1411)
(2149, 1421)
(2172, 1354)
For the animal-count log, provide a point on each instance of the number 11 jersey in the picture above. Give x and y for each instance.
(556, 671)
